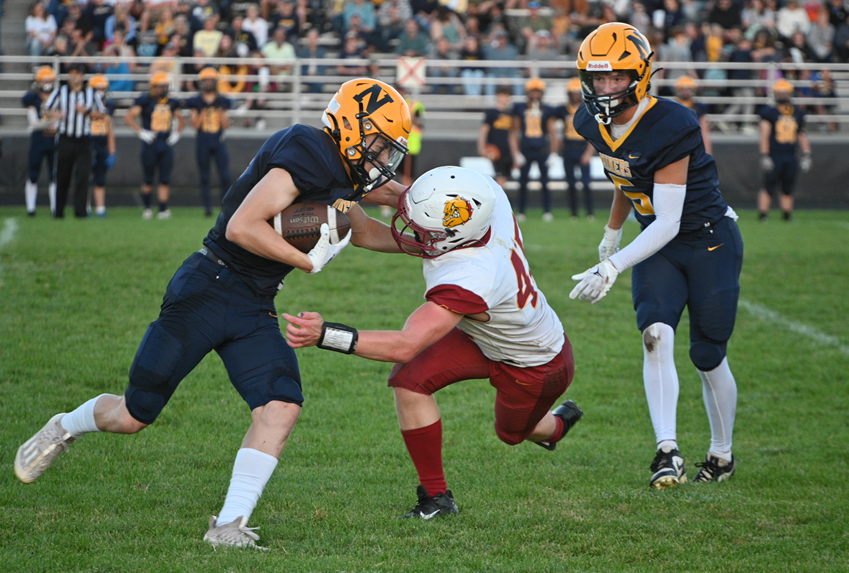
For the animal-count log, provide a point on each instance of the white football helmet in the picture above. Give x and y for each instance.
(447, 208)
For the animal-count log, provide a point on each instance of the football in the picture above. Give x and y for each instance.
(300, 224)
(492, 152)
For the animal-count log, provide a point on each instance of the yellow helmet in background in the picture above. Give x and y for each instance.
(574, 86)
(157, 81)
(366, 107)
(782, 86)
(208, 78)
(45, 78)
(614, 47)
(685, 82)
(98, 82)
(535, 84)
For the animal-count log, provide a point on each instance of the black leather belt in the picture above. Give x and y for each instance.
(211, 256)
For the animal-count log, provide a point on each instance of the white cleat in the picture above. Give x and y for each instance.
(36, 455)
(234, 534)
(166, 214)
(147, 214)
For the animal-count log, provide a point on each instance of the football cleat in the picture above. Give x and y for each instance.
(668, 468)
(429, 507)
(714, 469)
(37, 453)
(569, 412)
(147, 214)
(233, 534)
(166, 214)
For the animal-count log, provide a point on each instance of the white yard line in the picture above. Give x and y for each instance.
(7, 235)
(815, 335)
(843, 224)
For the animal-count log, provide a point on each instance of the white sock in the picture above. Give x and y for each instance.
(81, 421)
(31, 194)
(667, 445)
(100, 210)
(51, 192)
(720, 393)
(660, 379)
(251, 472)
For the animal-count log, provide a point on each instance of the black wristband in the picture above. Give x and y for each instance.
(338, 337)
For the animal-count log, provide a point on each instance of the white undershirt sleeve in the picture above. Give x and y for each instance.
(668, 205)
(35, 123)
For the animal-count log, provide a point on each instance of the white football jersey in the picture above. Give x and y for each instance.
(523, 330)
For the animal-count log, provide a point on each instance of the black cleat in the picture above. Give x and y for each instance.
(569, 412)
(429, 507)
(668, 468)
(711, 470)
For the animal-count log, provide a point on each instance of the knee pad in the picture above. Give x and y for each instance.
(707, 355)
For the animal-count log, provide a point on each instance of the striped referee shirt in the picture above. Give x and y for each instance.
(74, 123)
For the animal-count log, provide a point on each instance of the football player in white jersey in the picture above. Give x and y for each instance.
(484, 317)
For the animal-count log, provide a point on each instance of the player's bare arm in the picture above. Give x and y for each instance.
(484, 133)
(195, 119)
(429, 323)
(370, 233)
(249, 226)
(386, 194)
(130, 118)
(766, 131)
(674, 173)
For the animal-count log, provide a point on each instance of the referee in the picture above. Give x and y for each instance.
(76, 105)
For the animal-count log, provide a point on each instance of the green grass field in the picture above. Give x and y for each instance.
(76, 297)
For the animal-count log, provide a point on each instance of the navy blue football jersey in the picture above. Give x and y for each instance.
(313, 160)
(500, 123)
(699, 109)
(100, 127)
(787, 123)
(212, 119)
(570, 137)
(665, 133)
(32, 99)
(532, 122)
(157, 113)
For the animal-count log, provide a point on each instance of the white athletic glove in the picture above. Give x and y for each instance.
(609, 245)
(553, 160)
(173, 138)
(520, 159)
(805, 162)
(147, 136)
(323, 252)
(595, 282)
(767, 163)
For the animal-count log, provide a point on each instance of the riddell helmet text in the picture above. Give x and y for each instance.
(599, 66)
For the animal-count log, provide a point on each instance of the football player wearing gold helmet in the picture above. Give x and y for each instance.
(689, 253)
(103, 144)
(222, 297)
(685, 93)
(782, 135)
(42, 139)
(575, 150)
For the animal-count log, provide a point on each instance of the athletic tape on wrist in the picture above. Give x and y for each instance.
(338, 337)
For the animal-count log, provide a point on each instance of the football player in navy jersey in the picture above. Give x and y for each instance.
(103, 144)
(222, 297)
(209, 118)
(157, 111)
(42, 139)
(494, 135)
(530, 143)
(689, 252)
(685, 92)
(575, 149)
(782, 134)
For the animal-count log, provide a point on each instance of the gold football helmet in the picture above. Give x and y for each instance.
(366, 118)
(783, 91)
(99, 82)
(685, 87)
(159, 83)
(574, 86)
(614, 47)
(208, 78)
(45, 78)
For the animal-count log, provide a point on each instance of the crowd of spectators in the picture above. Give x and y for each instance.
(468, 30)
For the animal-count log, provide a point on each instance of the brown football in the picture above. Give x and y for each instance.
(492, 152)
(300, 224)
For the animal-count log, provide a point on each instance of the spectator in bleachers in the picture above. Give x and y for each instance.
(312, 50)
(821, 36)
(355, 28)
(472, 75)
(97, 11)
(182, 37)
(165, 27)
(285, 16)
(698, 49)
(207, 40)
(755, 16)
(441, 50)
(256, 25)
(447, 25)
(741, 53)
(352, 50)
(413, 42)
(791, 18)
(423, 10)
(391, 17)
(797, 50)
(837, 13)
(226, 49)
(541, 49)
(362, 8)
(677, 49)
(279, 49)
(309, 14)
(640, 18)
(670, 17)
(502, 49)
(80, 46)
(726, 14)
(118, 48)
(203, 10)
(121, 18)
(841, 43)
(243, 40)
(41, 30)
